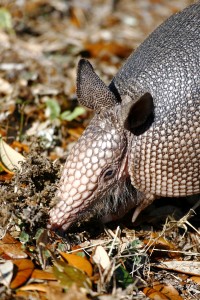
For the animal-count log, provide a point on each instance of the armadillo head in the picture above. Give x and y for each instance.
(99, 160)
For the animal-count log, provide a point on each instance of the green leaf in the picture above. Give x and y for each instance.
(134, 244)
(65, 115)
(68, 275)
(69, 116)
(61, 247)
(5, 19)
(54, 108)
(123, 277)
(38, 233)
(24, 237)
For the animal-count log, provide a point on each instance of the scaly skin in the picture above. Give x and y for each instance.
(86, 173)
(146, 128)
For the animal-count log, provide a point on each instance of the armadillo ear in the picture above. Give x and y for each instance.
(91, 90)
(137, 116)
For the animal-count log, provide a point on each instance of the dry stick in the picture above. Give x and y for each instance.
(114, 240)
(179, 223)
(188, 216)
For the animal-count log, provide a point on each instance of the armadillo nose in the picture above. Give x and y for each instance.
(58, 220)
(58, 227)
(77, 184)
(65, 213)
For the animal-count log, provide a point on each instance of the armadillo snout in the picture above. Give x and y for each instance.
(82, 180)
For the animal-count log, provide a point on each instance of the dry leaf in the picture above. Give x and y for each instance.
(78, 262)
(168, 290)
(24, 270)
(11, 247)
(196, 279)
(41, 287)
(6, 273)
(159, 243)
(76, 133)
(4, 169)
(21, 146)
(162, 292)
(68, 275)
(187, 267)
(6, 176)
(10, 158)
(101, 257)
(153, 294)
(42, 275)
(107, 49)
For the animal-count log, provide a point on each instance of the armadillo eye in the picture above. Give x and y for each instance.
(109, 174)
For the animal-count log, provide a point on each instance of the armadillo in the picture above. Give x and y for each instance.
(144, 139)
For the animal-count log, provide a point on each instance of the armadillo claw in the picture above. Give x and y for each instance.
(144, 200)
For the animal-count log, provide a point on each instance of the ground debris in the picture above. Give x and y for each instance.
(41, 43)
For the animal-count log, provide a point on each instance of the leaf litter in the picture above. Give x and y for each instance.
(40, 120)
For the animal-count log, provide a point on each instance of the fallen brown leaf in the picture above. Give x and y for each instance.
(196, 279)
(106, 49)
(42, 275)
(24, 270)
(168, 290)
(41, 287)
(153, 294)
(78, 262)
(6, 176)
(162, 292)
(187, 267)
(11, 247)
(156, 243)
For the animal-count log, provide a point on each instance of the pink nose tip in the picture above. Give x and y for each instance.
(52, 226)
